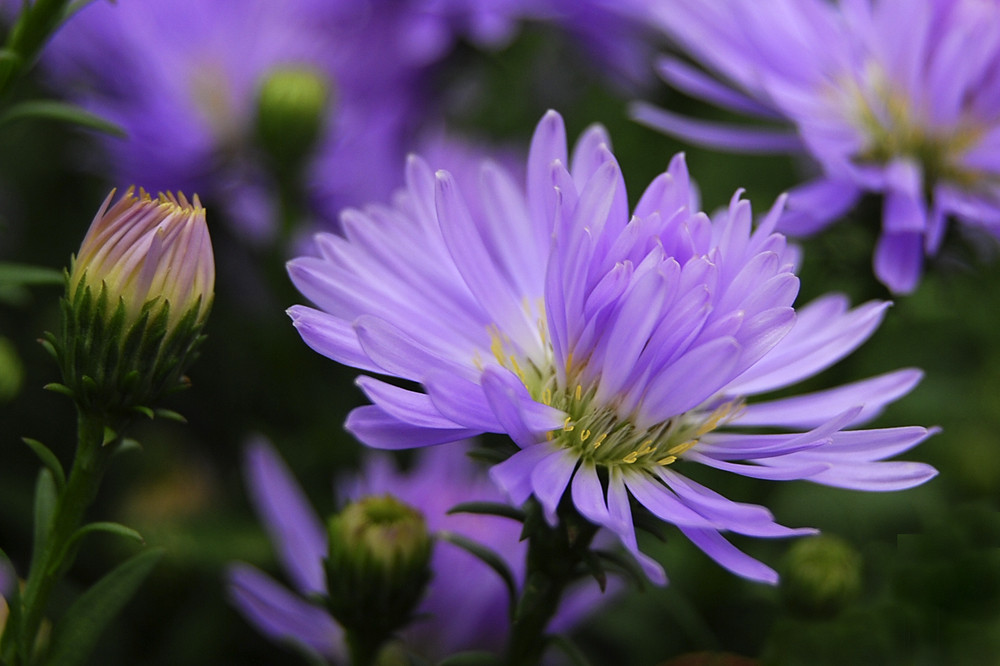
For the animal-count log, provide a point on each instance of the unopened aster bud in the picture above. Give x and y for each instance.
(822, 576)
(377, 569)
(291, 108)
(138, 294)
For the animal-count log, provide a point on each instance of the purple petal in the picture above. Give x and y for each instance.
(899, 260)
(810, 410)
(876, 476)
(697, 84)
(729, 556)
(549, 479)
(514, 474)
(524, 419)
(733, 138)
(398, 354)
(588, 494)
(815, 204)
(621, 525)
(404, 405)
(331, 337)
(689, 381)
(663, 503)
(282, 616)
(292, 525)
(376, 428)
(784, 473)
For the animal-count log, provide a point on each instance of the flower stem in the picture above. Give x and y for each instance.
(55, 554)
(555, 558)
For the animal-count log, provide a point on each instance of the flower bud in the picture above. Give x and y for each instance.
(137, 297)
(291, 108)
(378, 567)
(822, 576)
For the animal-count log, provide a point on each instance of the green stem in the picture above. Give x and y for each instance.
(555, 556)
(55, 556)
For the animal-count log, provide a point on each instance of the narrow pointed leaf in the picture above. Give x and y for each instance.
(77, 632)
(489, 509)
(488, 557)
(62, 112)
(46, 497)
(48, 459)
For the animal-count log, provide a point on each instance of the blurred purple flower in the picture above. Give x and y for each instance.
(898, 97)
(611, 348)
(466, 602)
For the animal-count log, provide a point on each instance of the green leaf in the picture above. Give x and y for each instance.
(488, 557)
(111, 528)
(489, 509)
(48, 459)
(471, 658)
(46, 497)
(62, 112)
(77, 632)
(11, 273)
(568, 648)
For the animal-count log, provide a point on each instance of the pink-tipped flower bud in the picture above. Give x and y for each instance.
(138, 294)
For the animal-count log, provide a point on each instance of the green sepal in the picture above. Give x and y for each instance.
(77, 631)
(48, 343)
(47, 109)
(170, 415)
(568, 648)
(144, 411)
(489, 557)
(624, 565)
(56, 387)
(46, 498)
(471, 658)
(489, 509)
(48, 459)
(110, 435)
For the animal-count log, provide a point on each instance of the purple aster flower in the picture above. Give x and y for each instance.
(897, 97)
(616, 350)
(466, 602)
(183, 78)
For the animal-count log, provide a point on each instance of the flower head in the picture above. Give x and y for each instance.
(897, 97)
(144, 251)
(138, 294)
(616, 350)
(465, 606)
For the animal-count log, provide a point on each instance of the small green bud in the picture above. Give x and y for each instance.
(137, 297)
(822, 576)
(291, 109)
(378, 567)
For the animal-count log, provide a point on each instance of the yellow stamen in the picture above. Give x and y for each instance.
(600, 439)
(579, 391)
(631, 458)
(547, 396)
(584, 435)
(666, 461)
(682, 447)
(566, 424)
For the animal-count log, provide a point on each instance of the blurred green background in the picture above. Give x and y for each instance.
(917, 580)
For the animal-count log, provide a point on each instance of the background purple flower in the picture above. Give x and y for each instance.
(465, 606)
(898, 97)
(609, 346)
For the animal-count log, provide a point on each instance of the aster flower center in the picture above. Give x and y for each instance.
(598, 432)
(894, 129)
